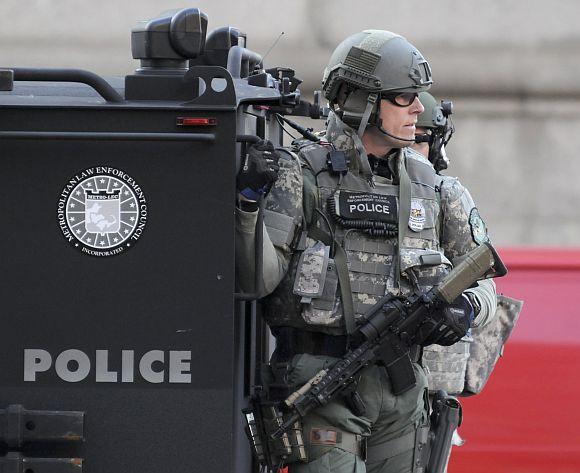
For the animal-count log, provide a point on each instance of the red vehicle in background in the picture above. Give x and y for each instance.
(527, 418)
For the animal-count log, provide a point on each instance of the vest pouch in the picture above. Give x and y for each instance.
(488, 342)
(317, 283)
(446, 366)
(325, 310)
(311, 272)
(328, 297)
(425, 268)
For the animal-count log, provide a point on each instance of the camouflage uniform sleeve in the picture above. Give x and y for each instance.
(462, 230)
(282, 220)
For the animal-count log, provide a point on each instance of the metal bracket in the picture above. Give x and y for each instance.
(19, 425)
(15, 462)
(101, 86)
(6, 80)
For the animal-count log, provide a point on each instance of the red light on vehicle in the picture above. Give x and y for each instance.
(196, 121)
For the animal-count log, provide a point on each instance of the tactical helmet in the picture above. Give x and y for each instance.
(426, 119)
(367, 64)
(436, 118)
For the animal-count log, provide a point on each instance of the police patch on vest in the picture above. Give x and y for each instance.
(478, 228)
(417, 215)
(365, 206)
(102, 211)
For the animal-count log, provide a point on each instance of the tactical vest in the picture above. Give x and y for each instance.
(309, 297)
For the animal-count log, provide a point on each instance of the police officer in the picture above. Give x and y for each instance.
(348, 220)
(446, 366)
(434, 130)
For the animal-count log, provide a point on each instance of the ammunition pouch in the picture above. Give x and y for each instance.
(265, 414)
(262, 419)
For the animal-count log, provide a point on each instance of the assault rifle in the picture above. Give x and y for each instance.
(388, 331)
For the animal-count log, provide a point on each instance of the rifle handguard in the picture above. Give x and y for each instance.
(290, 400)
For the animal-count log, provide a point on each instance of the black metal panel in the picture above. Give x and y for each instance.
(172, 291)
(15, 462)
(19, 426)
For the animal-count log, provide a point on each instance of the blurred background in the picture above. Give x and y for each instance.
(510, 67)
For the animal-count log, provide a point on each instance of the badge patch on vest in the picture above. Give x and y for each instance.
(478, 228)
(366, 206)
(417, 216)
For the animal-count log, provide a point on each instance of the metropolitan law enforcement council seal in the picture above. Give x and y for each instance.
(102, 211)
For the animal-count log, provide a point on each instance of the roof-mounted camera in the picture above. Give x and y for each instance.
(218, 45)
(167, 42)
(164, 45)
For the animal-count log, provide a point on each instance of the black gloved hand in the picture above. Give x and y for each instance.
(259, 171)
(457, 318)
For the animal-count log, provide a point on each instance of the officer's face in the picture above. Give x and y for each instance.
(422, 148)
(400, 121)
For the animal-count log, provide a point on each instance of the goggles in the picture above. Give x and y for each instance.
(400, 99)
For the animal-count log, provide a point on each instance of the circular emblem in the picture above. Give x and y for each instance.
(102, 211)
(417, 215)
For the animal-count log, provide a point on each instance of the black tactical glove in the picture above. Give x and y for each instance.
(259, 171)
(457, 318)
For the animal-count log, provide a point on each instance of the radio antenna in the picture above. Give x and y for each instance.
(260, 64)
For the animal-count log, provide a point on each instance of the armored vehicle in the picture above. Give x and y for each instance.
(125, 347)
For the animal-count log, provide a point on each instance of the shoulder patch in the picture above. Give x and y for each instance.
(478, 228)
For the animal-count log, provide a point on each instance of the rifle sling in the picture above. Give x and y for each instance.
(404, 210)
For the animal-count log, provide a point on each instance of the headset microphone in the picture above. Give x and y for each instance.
(422, 138)
(379, 126)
